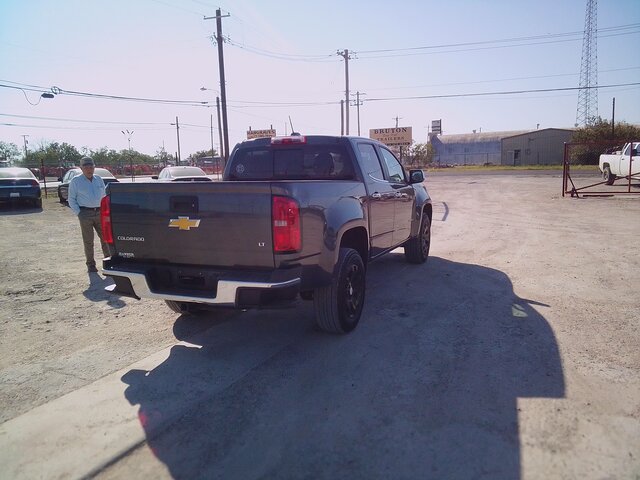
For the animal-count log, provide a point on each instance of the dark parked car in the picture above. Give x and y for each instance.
(182, 174)
(63, 189)
(20, 185)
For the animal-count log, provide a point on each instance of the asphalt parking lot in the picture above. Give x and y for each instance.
(512, 353)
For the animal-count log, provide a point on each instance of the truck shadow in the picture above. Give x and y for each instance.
(426, 386)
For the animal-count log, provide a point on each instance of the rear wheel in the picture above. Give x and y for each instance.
(338, 306)
(187, 308)
(416, 250)
(609, 177)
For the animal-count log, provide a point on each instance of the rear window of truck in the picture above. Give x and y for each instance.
(308, 162)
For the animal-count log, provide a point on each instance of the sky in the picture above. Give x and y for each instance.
(282, 68)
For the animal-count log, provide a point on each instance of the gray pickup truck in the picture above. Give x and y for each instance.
(298, 215)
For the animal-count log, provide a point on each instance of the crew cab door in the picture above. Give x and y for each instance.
(403, 195)
(627, 154)
(381, 199)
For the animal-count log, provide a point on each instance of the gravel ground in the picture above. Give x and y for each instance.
(513, 353)
(59, 330)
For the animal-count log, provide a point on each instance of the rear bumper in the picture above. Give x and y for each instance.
(19, 193)
(227, 291)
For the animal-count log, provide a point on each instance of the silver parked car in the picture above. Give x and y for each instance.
(182, 174)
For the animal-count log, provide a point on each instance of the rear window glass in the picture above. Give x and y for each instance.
(16, 173)
(103, 172)
(308, 162)
(187, 172)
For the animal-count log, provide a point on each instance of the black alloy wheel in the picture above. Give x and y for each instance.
(338, 306)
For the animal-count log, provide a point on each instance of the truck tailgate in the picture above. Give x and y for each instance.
(221, 224)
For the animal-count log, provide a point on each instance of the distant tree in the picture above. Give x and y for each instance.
(162, 157)
(68, 154)
(203, 153)
(9, 152)
(104, 157)
(598, 137)
(418, 155)
(46, 154)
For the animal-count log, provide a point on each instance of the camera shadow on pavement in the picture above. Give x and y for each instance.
(425, 387)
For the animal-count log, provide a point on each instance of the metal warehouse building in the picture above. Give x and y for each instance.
(537, 147)
(519, 147)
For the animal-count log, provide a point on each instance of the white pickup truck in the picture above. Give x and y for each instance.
(616, 164)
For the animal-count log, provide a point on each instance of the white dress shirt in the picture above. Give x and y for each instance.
(85, 193)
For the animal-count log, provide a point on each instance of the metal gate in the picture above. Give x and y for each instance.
(574, 152)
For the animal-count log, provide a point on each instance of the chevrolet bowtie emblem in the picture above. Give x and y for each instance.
(184, 223)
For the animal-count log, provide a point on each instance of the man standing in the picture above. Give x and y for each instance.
(85, 193)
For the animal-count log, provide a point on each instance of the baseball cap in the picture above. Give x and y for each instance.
(86, 162)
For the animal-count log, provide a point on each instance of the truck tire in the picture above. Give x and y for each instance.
(609, 177)
(186, 308)
(416, 250)
(338, 306)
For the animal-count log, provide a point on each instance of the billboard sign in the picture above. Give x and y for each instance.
(393, 137)
(436, 127)
(260, 133)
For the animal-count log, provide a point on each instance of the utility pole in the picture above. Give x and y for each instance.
(219, 127)
(358, 103)
(128, 134)
(613, 120)
(212, 142)
(346, 57)
(396, 119)
(178, 135)
(223, 91)
(341, 117)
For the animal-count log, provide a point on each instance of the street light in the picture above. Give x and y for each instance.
(177, 124)
(128, 134)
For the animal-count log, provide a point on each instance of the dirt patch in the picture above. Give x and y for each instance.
(59, 329)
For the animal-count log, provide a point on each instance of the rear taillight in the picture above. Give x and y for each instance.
(35, 183)
(105, 220)
(286, 225)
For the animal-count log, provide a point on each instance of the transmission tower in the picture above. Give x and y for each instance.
(587, 111)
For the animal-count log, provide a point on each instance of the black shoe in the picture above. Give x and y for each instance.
(92, 270)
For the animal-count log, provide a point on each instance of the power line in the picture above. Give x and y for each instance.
(281, 56)
(60, 91)
(82, 121)
(483, 48)
(330, 103)
(512, 92)
(55, 127)
(534, 77)
(504, 40)
(616, 30)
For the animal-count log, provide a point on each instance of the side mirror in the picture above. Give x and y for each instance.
(154, 177)
(59, 179)
(416, 176)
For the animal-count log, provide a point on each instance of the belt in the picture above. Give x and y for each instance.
(93, 209)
